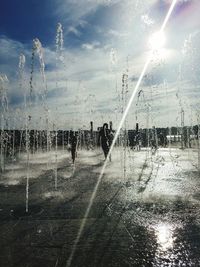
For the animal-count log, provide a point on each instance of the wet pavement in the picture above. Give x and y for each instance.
(146, 211)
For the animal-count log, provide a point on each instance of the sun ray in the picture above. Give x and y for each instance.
(114, 140)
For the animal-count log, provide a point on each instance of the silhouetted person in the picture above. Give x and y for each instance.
(105, 138)
(74, 145)
(154, 146)
(138, 141)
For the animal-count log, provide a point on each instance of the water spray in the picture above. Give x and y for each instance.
(68, 264)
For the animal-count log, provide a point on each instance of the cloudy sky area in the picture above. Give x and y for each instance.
(102, 41)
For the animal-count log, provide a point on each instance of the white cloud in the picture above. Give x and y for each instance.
(86, 71)
(9, 54)
(91, 46)
(117, 33)
(73, 30)
(76, 10)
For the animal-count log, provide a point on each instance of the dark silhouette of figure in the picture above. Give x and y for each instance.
(154, 145)
(74, 145)
(162, 139)
(138, 141)
(105, 138)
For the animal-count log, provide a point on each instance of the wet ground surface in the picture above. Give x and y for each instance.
(146, 211)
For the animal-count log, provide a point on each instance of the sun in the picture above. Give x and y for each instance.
(157, 40)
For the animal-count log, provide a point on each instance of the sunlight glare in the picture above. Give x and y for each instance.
(157, 40)
(164, 234)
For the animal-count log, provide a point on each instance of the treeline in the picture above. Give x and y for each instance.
(13, 141)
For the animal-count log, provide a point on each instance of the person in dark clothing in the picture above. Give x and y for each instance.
(74, 145)
(162, 139)
(154, 145)
(105, 138)
(138, 141)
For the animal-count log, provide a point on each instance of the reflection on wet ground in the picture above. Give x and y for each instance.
(149, 218)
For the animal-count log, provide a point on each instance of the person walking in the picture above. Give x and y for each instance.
(74, 145)
(105, 139)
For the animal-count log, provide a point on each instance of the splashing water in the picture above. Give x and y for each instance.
(38, 48)
(22, 61)
(59, 57)
(82, 226)
(4, 105)
(21, 66)
(113, 59)
(3, 92)
(59, 42)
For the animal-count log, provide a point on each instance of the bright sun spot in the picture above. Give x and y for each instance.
(157, 40)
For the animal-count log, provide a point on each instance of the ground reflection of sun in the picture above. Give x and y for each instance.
(164, 234)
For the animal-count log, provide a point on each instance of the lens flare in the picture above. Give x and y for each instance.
(157, 40)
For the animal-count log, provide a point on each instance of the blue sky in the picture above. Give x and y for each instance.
(101, 40)
(23, 20)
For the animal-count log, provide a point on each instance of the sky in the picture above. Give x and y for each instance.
(86, 58)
